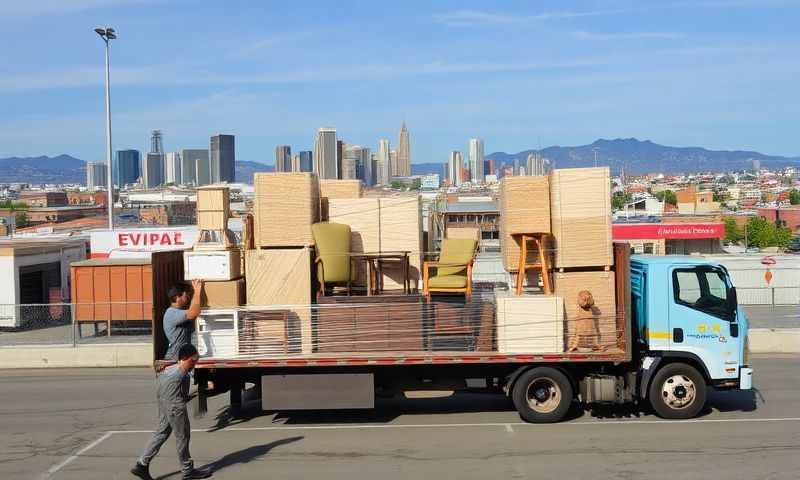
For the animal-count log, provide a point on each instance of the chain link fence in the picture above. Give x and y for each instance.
(75, 324)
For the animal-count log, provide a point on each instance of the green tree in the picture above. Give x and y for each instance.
(794, 196)
(763, 233)
(12, 205)
(22, 219)
(397, 184)
(619, 199)
(733, 234)
(417, 184)
(667, 196)
(721, 196)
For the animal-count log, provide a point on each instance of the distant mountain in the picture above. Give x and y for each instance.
(424, 168)
(638, 157)
(245, 170)
(60, 169)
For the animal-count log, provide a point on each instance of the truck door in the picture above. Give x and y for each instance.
(702, 319)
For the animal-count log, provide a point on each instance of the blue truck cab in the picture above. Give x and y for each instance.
(689, 332)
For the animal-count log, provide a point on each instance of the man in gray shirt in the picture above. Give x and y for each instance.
(172, 387)
(179, 321)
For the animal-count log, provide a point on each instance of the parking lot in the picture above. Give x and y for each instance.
(92, 423)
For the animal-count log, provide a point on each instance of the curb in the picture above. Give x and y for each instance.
(774, 340)
(84, 356)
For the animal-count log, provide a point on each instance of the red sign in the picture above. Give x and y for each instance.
(150, 239)
(668, 231)
(768, 261)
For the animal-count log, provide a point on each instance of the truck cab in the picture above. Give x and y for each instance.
(689, 331)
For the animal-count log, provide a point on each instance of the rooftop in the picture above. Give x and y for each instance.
(471, 207)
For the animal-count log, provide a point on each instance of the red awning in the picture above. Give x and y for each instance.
(651, 231)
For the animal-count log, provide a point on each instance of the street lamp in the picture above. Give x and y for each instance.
(108, 34)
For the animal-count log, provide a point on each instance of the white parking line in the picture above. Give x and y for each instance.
(508, 427)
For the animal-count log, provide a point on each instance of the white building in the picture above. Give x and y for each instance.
(476, 160)
(172, 168)
(325, 165)
(454, 166)
(384, 173)
(96, 175)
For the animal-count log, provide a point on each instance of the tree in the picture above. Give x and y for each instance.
(619, 199)
(417, 184)
(794, 196)
(667, 196)
(721, 196)
(762, 233)
(22, 219)
(397, 184)
(733, 234)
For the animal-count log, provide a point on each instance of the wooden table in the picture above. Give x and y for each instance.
(375, 262)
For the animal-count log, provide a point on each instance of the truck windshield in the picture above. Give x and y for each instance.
(703, 289)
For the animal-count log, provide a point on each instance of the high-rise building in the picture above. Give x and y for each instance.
(283, 158)
(156, 142)
(222, 160)
(365, 171)
(402, 168)
(535, 165)
(384, 172)
(351, 161)
(516, 166)
(340, 146)
(454, 166)
(96, 174)
(393, 161)
(172, 168)
(153, 170)
(195, 168)
(756, 165)
(126, 167)
(476, 160)
(325, 158)
(306, 161)
(373, 161)
(295, 163)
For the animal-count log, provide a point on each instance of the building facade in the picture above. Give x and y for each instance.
(153, 170)
(283, 158)
(306, 161)
(454, 166)
(476, 160)
(384, 173)
(403, 166)
(172, 168)
(195, 167)
(126, 167)
(222, 160)
(96, 174)
(350, 163)
(325, 154)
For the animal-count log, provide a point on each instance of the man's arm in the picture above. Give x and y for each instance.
(194, 307)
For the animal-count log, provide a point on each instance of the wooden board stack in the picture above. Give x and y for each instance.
(580, 200)
(286, 206)
(602, 287)
(524, 208)
(529, 324)
(336, 189)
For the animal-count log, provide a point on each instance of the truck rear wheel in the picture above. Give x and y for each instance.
(677, 392)
(542, 395)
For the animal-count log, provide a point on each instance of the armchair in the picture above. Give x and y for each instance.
(332, 245)
(453, 269)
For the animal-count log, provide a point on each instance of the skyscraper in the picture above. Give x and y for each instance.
(156, 142)
(351, 162)
(454, 166)
(172, 168)
(96, 174)
(373, 161)
(403, 166)
(325, 153)
(222, 161)
(367, 173)
(153, 170)
(195, 166)
(340, 146)
(535, 164)
(393, 161)
(384, 165)
(295, 163)
(283, 158)
(516, 166)
(126, 167)
(306, 161)
(476, 160)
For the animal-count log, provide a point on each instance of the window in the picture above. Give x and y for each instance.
(702, 289)
(648, 247)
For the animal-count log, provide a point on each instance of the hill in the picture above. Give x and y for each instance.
(59, 169)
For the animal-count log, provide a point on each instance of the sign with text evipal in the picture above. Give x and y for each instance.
(667, 231)
(141, 241)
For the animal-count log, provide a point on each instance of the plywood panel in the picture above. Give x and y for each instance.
(279, 277)
(286, 206)
(603, 288)
(581, 216)
(530, 324)
(524, 208)
(223, 294)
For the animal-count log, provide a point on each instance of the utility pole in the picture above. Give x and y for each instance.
(108, 34)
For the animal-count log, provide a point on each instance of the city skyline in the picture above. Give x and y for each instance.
(607, 66)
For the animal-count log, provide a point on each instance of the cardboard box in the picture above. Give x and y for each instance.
(580, 207)
(602, 287)
(336, 189)
(279, 276)
(223, 294)
(286, 206)
(524, 208)
(212, 265)
(529, 324)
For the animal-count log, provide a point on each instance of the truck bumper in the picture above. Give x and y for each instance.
(745, 378)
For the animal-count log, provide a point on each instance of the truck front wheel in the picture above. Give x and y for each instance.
(677, 392)
(542, 395)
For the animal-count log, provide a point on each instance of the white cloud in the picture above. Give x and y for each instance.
(31, 8)
(468, 18)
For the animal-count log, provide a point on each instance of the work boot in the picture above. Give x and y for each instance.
(141, 471)
(197, 473)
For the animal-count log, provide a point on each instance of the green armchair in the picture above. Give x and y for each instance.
(453, 270)
(332, 244)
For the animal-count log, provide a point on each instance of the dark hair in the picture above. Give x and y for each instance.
(176, 291)
(187, 351)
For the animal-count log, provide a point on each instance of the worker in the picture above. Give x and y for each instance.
(172, 394)
(179, 321)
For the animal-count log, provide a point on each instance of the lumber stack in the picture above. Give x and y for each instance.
(286, 206)
(336, 189)
(530, 324)
(524, 208)
(602, 286)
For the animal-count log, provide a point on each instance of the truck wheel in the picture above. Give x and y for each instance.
(677, 392)
(542, 395)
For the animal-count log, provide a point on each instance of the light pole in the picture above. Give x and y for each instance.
(595, 156)
(108, 34)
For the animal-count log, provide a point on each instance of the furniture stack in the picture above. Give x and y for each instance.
(279, 269)
(215, 258)
(525, 208)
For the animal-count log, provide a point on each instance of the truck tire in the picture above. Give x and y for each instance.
(542, 395)
(677, 392)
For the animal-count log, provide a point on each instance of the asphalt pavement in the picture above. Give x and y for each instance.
(92, 423)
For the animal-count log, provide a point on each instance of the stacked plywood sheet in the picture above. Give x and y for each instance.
(282, 277)
(602, 287)
(524, 208)
(362, 215)
(213, 207)
(530, 324)
(580, 200)
(223, 294)
(336, 189)
(401, 230)
(286, 206)
(473, 233)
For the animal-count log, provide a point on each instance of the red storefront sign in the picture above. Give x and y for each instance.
(667, 231)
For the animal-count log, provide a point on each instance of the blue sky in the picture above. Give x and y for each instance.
(721, 74)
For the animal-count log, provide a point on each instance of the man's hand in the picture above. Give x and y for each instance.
(194, 307)
(197, 286)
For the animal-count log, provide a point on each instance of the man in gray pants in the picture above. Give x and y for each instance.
(172, 395)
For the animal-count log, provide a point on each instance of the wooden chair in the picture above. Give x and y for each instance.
(453, 270)
(332, 245)
(540, 239)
